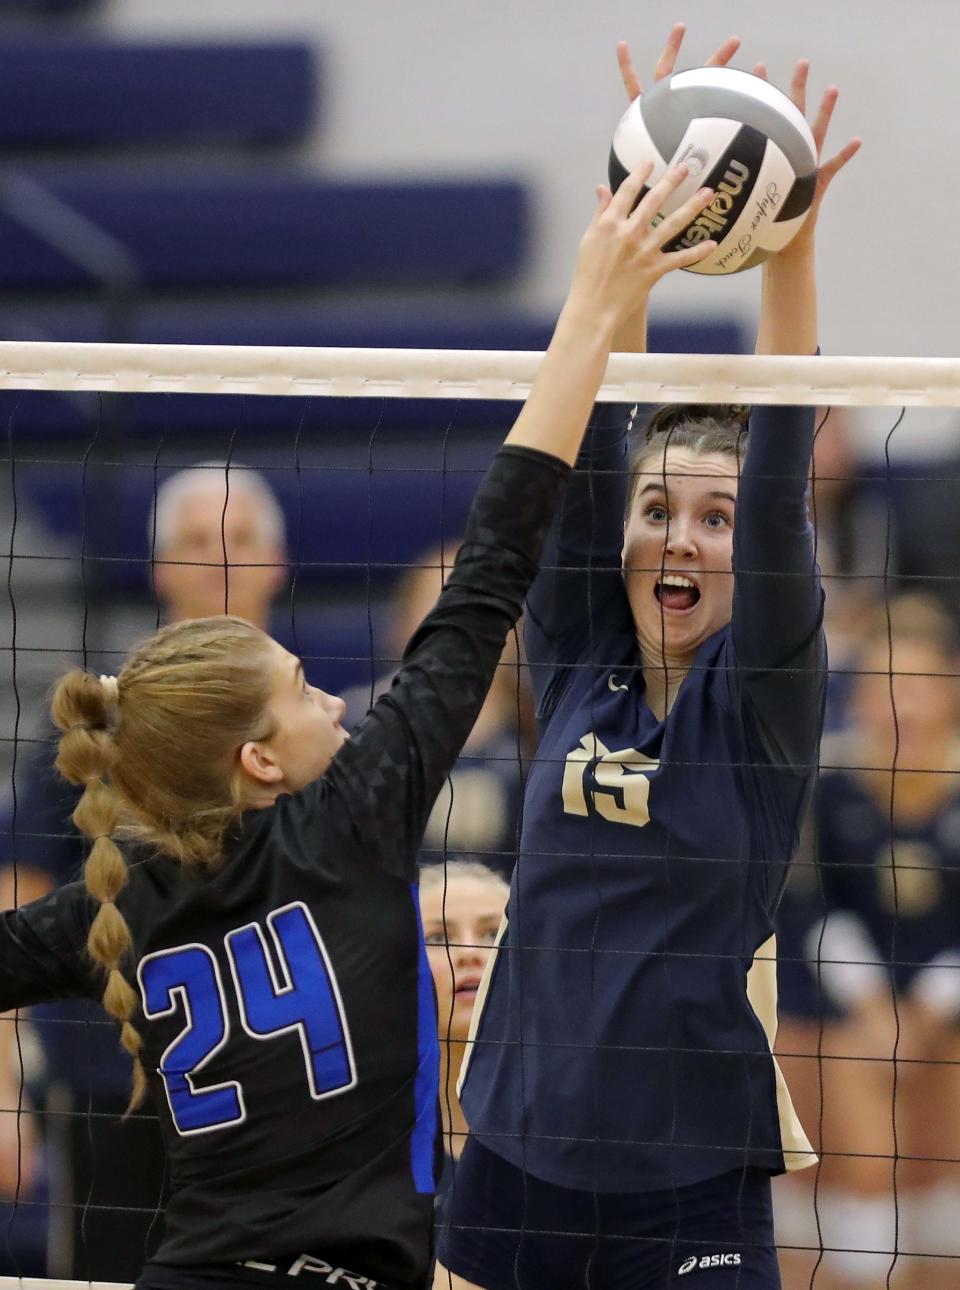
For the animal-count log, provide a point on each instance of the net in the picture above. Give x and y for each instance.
(373, 457)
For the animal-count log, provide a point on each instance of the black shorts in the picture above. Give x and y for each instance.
(506, 1231)
(308, 1270)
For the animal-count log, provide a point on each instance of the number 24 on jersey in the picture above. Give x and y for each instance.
(303, 998)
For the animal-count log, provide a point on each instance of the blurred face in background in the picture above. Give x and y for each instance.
(834, 464)
(191, 576)
(460, 927)
(922, 693)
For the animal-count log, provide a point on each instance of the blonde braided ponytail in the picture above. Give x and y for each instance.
(82, 708)
(157, 750)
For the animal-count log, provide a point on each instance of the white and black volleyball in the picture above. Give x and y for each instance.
(738, 135)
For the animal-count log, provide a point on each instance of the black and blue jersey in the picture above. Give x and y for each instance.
(288, 1016)
(623, 1041)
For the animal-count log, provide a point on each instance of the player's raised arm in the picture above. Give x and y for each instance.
(778, 601)
(588, 538)
(788, 312)
(621, 258)
(394, 766)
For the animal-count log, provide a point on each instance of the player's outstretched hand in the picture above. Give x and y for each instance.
(829, 169)
(622, 252)
(667, 61)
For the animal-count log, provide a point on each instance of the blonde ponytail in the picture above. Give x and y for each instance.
(87, 754)
(157, 752)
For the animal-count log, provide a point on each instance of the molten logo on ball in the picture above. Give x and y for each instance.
(713, 221)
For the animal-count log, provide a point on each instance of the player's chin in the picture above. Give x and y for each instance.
(464, 1000)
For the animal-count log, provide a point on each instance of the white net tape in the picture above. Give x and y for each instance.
(47, 1283)
(473, 374)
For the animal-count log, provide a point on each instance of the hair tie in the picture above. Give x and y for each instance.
(111, 690)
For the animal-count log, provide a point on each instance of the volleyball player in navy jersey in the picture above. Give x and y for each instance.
(625, 1110)
(262, 950)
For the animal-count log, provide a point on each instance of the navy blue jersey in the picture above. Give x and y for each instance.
(900, 878)
(288, 1017)
(624, 1039)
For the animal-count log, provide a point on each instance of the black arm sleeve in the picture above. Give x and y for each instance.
(43, 953)
(391, 770)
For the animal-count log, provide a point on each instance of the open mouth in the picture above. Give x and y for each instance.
(677, 593)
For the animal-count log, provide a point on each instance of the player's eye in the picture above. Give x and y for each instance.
(657, 513)
(716, 520)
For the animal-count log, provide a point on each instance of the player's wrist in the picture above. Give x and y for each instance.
(801, 252)
(588, 320)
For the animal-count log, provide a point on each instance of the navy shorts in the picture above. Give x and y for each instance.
(503, 1231)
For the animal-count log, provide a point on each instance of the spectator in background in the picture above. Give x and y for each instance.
(218, 543)
(478, 809)
(461, 907)
(923, 498)
(887, 956)
(890, 503)
(22, 1230)
(854, 527)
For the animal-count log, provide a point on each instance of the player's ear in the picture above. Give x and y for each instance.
(259, 763)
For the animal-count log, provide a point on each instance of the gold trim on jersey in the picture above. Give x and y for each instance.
(479, 1003)
(762, 996)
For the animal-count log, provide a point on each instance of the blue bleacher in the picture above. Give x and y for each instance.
(224, 249)
(68, 93)
(42, 9)
(344, 520)
(192, 226)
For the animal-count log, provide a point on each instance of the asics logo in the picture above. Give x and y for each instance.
(698, 1263)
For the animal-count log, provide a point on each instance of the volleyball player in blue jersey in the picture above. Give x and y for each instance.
(263, 952)
(626, 1112)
